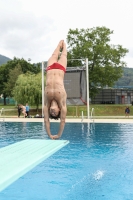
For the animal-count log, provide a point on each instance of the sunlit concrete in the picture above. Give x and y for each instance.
(72, 120)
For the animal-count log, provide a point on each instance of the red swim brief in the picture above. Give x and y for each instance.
(56, 66)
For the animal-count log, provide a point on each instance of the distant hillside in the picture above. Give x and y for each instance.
(4, 59)
(127, 78)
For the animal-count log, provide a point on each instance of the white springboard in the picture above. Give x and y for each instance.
(19, 158)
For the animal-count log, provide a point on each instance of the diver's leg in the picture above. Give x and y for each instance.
(55, 55)
(63, 57)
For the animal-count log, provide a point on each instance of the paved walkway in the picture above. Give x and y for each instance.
(73, 120)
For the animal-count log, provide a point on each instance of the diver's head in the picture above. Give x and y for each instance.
(54, 110)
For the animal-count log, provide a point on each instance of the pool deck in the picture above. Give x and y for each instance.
(107, 119)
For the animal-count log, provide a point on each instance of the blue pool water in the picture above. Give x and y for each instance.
(97, 164)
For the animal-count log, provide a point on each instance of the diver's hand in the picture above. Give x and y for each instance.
(54, 137)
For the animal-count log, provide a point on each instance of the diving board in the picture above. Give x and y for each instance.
(19, 158)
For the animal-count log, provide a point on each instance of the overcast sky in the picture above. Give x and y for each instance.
(32, 28)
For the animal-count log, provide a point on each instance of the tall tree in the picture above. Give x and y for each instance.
(12, 77)
(105, 59)
(3, 80)
(28, 88)
(5, 73)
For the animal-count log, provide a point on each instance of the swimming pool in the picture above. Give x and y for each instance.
(95, 165)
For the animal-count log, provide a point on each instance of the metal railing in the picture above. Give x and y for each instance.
(92, 125)
(2, 114)
(82, 116)
(92, 114)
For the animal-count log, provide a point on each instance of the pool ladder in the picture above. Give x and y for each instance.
(91, 116)
(82, 116)
(2, 116)
(92, 125)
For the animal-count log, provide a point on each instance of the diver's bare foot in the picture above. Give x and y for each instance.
(63, 44)
(60, 45)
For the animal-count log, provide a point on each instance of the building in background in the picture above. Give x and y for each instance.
(114, 96)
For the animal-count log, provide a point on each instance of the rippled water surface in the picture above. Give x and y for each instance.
(97, 164)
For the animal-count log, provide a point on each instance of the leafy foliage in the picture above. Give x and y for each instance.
(13, 75)
(7, 70)
(26, 66)
(105, 59)
(28, 88)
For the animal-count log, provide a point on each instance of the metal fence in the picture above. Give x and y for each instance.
(9, 101)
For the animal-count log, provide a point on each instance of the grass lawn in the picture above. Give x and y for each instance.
(76, 111)
(111, 110)
(11, 110)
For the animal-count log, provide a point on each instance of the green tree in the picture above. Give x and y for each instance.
(5, 74)
(25, 66)
(3, 80)
(28, 88)
(12, 77)
(105, 59)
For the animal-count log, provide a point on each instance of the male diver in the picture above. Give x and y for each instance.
(55, 95)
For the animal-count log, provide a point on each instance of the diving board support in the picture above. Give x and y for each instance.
(19, 158)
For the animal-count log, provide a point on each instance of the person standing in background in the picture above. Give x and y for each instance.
(23, 110)
(19, 110)
(127, 112)
(27, 109)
